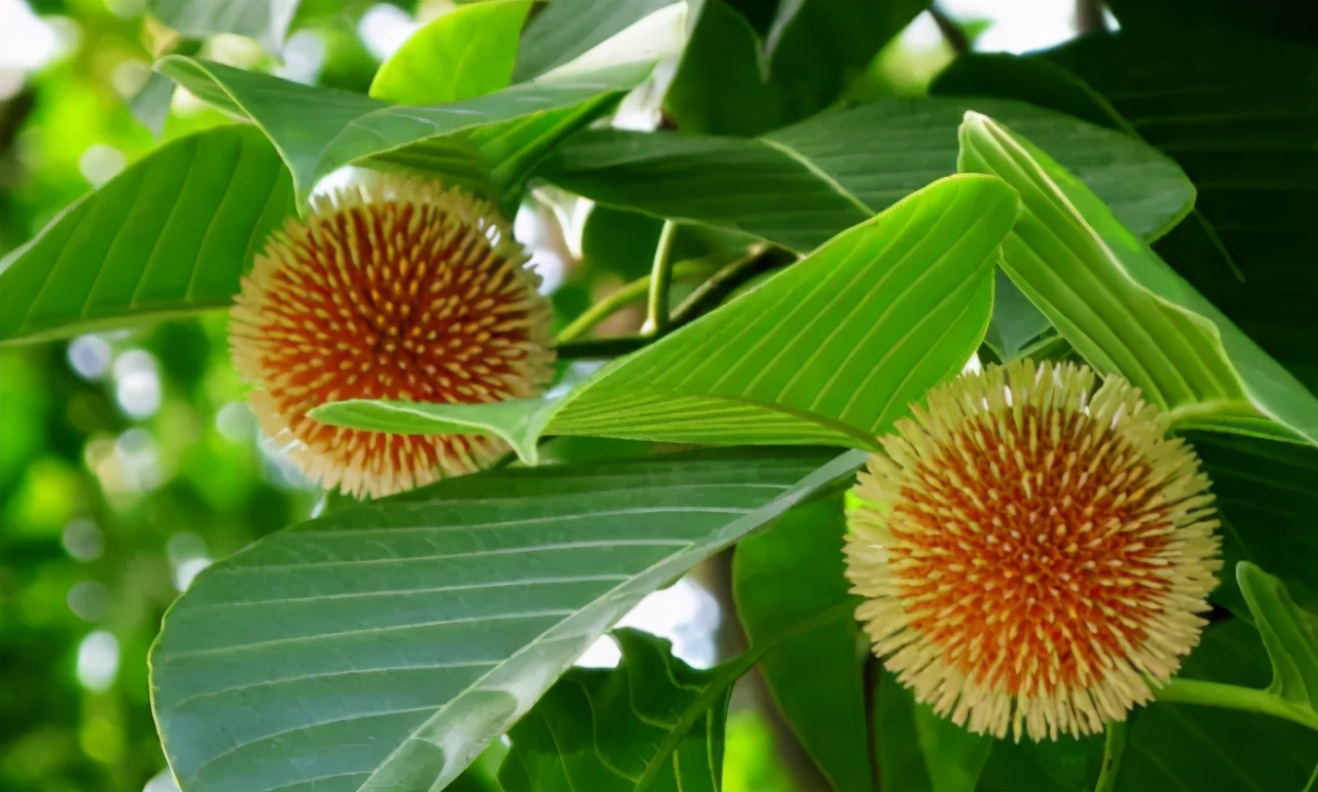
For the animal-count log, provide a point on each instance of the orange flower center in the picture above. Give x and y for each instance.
(1017, 547)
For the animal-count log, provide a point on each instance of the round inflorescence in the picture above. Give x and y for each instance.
(1033, 553)
(398, 290)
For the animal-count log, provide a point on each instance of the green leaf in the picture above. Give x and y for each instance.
(1016, 322)
(816, 48)
(1238, 112)
(731, 83)
(917, 750)
(169, 236)
(266, 21)
(1061, 765)
(780, 578)
(1268, 506)
(383, 646)
(318, 130)
(721, 85)
(1289, 634)
(567, 29)
(830, 351)
(466, 53)
(652, 722)
(801, 185)
(1123, 308)
(1177, 746)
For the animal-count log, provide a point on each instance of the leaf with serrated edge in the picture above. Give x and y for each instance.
(169, 236)
(827, 352)
(1123, 308)
(384, 645)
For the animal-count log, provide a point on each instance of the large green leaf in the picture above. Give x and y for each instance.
(567, 29)
(1289, 634)
(463, 54)
(1268, 505)
(733, 82)
(1239, 112)
(1123, 308)
(830, 351)
(801, 185)
(651, 723)
(167, 237)
(1177, 746)
(917, 750)
(318, 130)
(381, 647)
(266, 21)
(779, 578)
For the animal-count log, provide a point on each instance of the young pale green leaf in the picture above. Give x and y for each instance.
(1123, 308)
(463, 54)
(318, 130)
(830, 351)
(801, 185)
(566, 29)
(651, 723)
(1177, 746)
(169, 236)
(385, 645)
(779, 578)
(266, 21)
(1289, 634)
(917, 750)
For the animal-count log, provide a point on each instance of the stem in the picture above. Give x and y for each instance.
(1216, 694)
(600, 348)
(661, 275)
(627, 294)
(709, 294)
(952, 34)
(1113, 747)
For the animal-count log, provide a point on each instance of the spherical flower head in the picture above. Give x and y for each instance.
(1033, 552)
(397, 290)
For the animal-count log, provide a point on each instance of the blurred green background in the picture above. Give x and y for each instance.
(129, 461)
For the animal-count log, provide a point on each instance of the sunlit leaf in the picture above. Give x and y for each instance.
(1123, 308)
(168, 237)
(383, 646)
(830, 351)
(466, 53)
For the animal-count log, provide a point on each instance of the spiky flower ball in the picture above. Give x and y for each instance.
(1032, 550)
(397, 290)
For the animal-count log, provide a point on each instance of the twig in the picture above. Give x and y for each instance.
(661, 276)
(616, 300)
